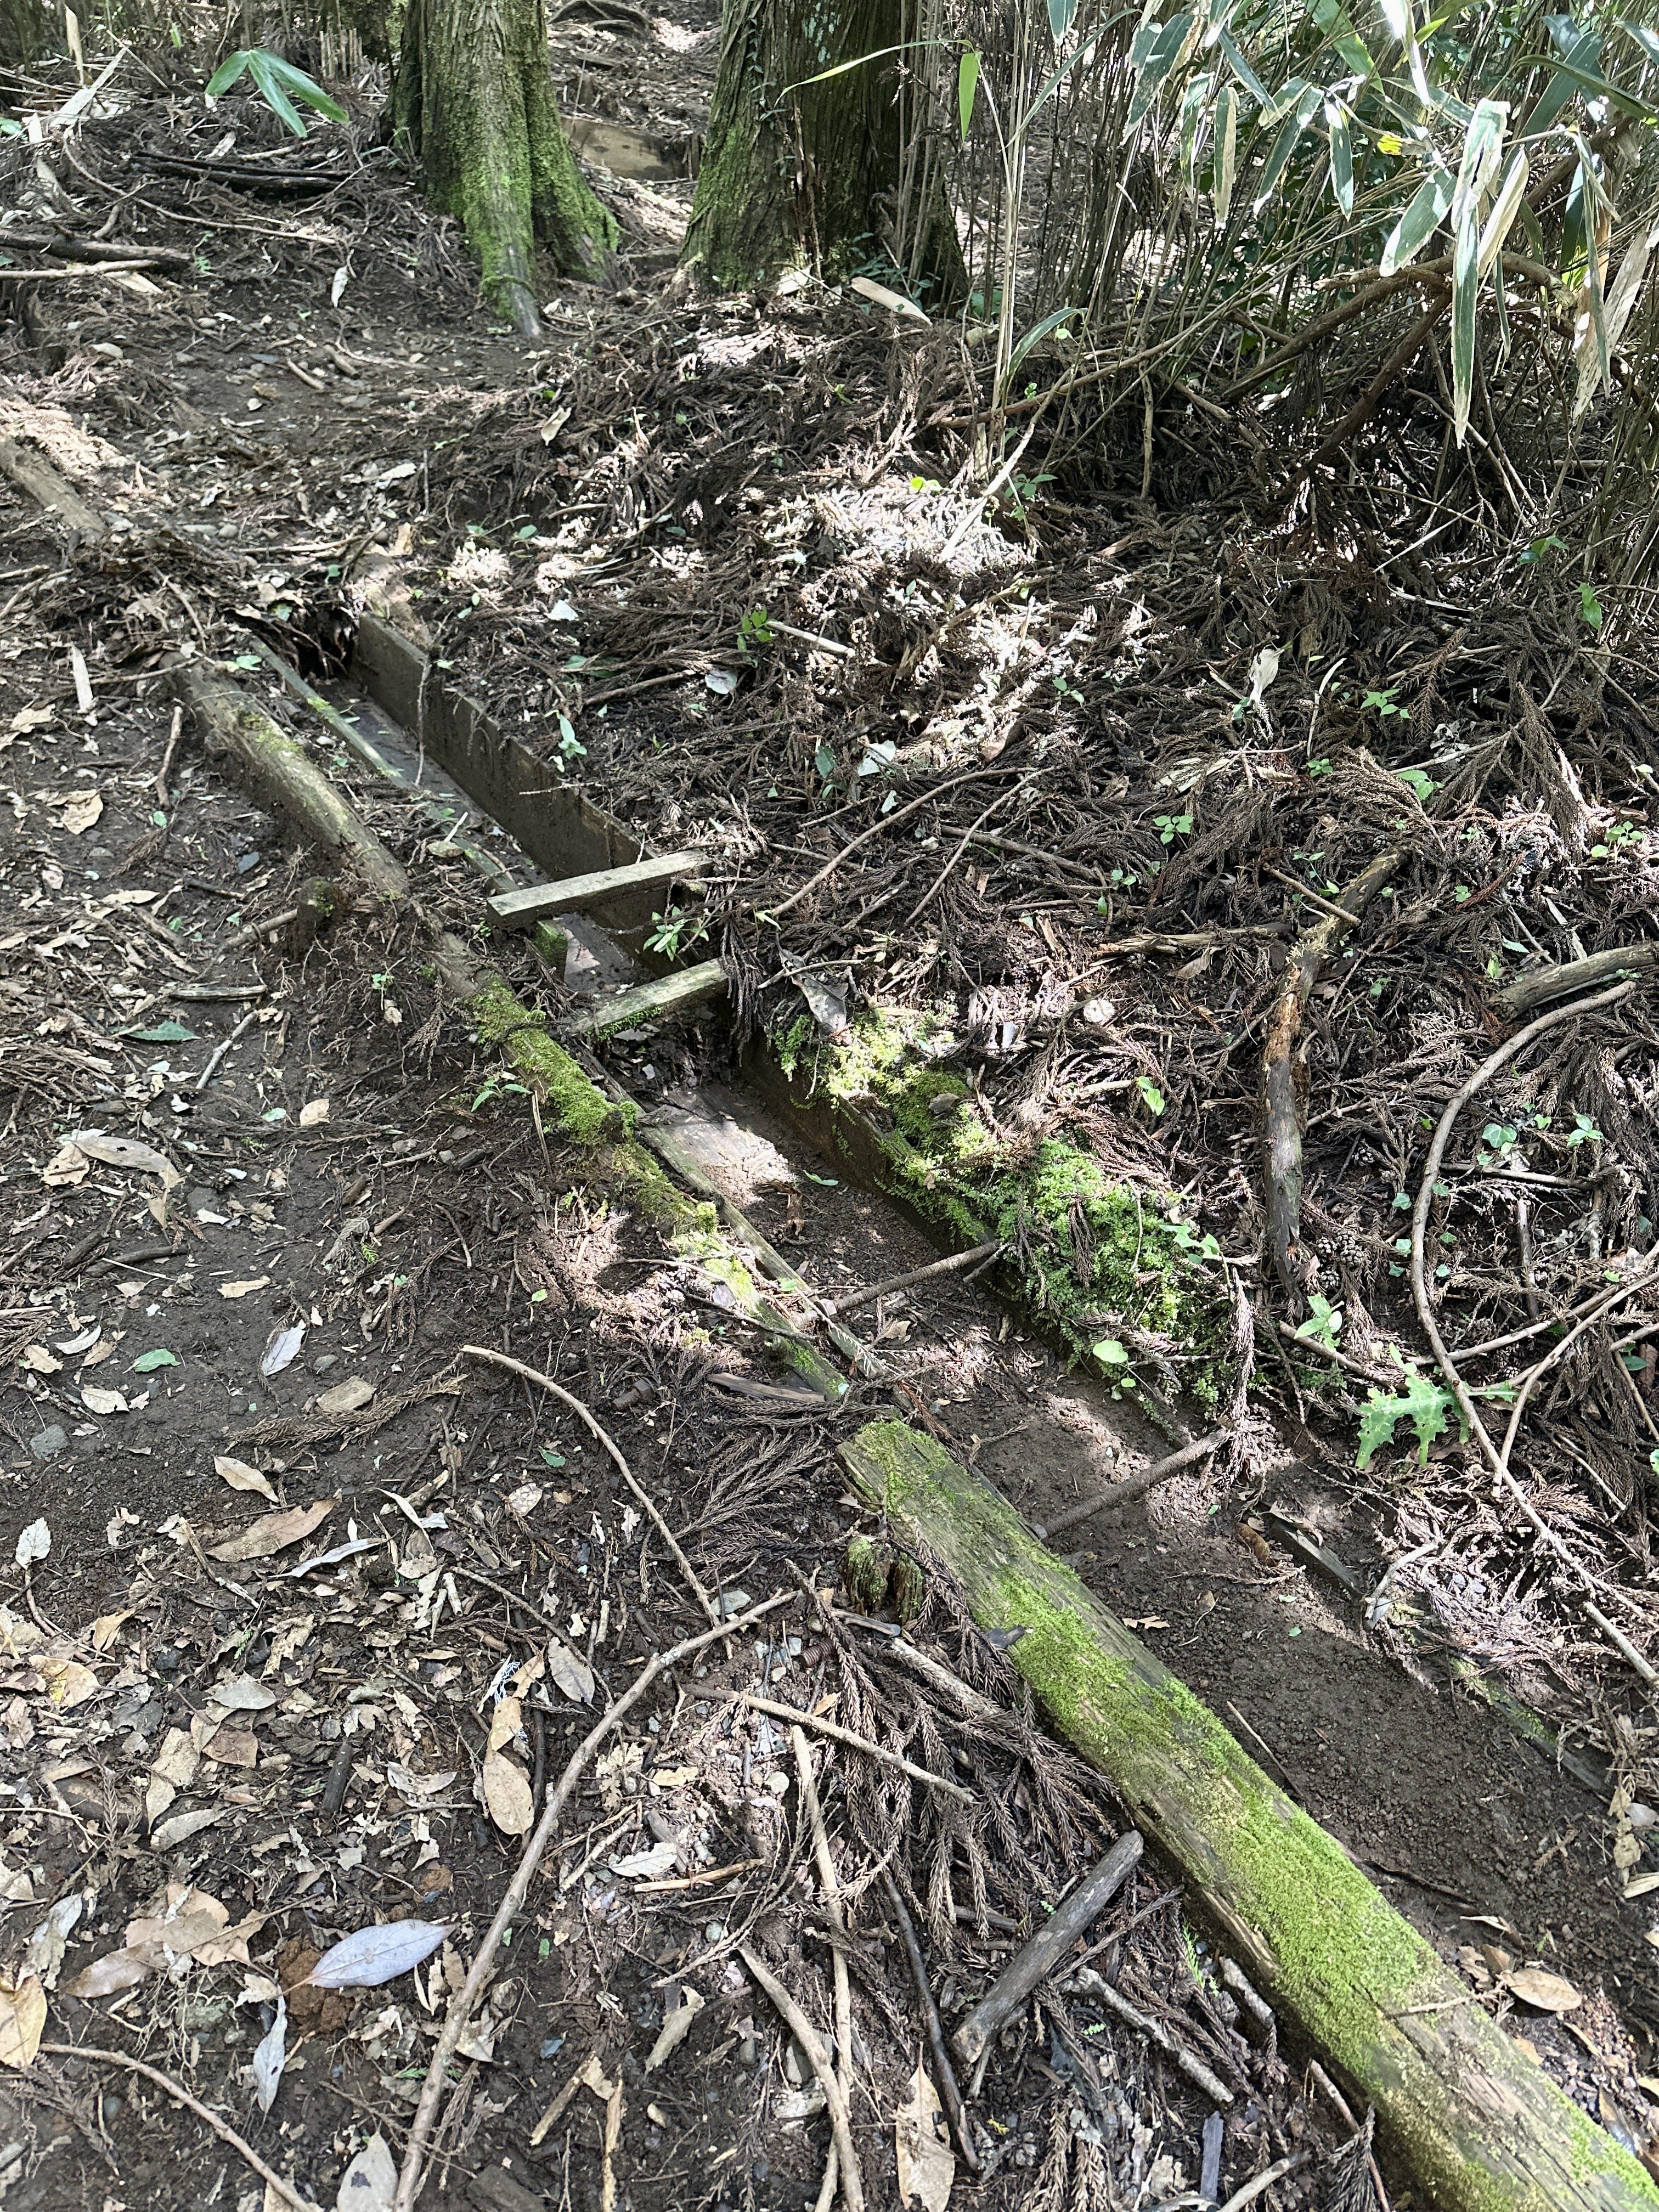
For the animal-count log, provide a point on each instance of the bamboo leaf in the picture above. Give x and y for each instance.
(295, 81)
(967, 86)
(1419, 223)
(1466, 284)
(1482, 149)
(226, 73)
(1242, 70)
(258, 68)
(1037, 332)
(1160, 56)
(1583, 53)
(1336, 121)
(1226, 151)
(1505, 207)
(1397, 14)
(1285, 145)
(1061, 15)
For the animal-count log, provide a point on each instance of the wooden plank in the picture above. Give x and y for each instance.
(653, 1002)
(577, 894)
(34, 473)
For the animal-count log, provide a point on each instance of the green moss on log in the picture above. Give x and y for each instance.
(1096, 1256)
(1482, 2127)
(579, 1109)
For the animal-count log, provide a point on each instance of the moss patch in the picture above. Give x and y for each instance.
(1094, 1256)
(580, 1109)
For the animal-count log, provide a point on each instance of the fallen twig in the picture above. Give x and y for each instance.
(95, 2055)
(484, 1963)
(852, 2178)
(793, 1714)
(952, 1264)
(1282, 1107)
(557, 1390)
(949, 2090)
(838, 1918)
(1266, 2179)
(1133, 1486)
(1543, 984)
(222, 1047)
(1096, 1987)
(1048, 1948)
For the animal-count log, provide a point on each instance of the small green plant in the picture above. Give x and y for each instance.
(1317, 768)
(1064, 688)
(492, 1088)
(674, 931)
(1614, 839)
(1151, 1096)
(1500, 1139)
(1540, 549)
(1171, 826)
(1589, 608)
(1423, 1402)
(1383, 704)
(278, 83)
(1583, 1131)
(1324, 1322)
(569, 743)
(1420, 782)
(755, 629)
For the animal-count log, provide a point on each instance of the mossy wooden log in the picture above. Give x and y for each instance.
(1480, 2124)
(287, 778)
(581, 1112)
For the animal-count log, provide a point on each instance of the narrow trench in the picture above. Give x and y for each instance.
(1258, 1604)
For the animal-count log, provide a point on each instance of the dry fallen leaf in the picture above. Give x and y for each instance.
(346, 1397)
(81, 811)
(506, 1793)
(371, 1956)
(571, 1675)
(274, 1531)
(407, 1784)
(124, 1153)
(370, 2182)
(927, 2164)
(33, 1545)
(1545, 1992)
(231, 1746)
(244, 1290)
(99, 1400)
(241, 1476)
(67, 1166)
(66, 1681)
(40, 1361)
(22, 2018)
(281, 1348)
(675, 2029)
(106, 1628)
(313, 1111)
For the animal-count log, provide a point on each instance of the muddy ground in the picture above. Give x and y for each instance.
(291, 1745)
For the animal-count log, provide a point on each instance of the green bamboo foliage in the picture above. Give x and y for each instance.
(1216, 178)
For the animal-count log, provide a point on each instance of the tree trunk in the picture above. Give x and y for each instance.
(23, 32)
(802, 173)
(474, 104)
(1481, 2125)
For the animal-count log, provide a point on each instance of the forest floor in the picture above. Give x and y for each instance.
(283, 1549)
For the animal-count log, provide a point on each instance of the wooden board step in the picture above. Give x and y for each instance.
(578, 894)
(653, 1002)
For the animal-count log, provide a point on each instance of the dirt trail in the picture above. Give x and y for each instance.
(303, 1739)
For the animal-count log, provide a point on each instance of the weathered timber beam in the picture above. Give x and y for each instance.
(1480, 2124)
(653, 1002)
(34, 473)
(578, 894)
(287, 778)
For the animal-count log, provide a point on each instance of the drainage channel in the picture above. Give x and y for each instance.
(991, 1400)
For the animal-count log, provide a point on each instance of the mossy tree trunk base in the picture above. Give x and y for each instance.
(1481, 2125)
(802, 161)
(473, 103)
